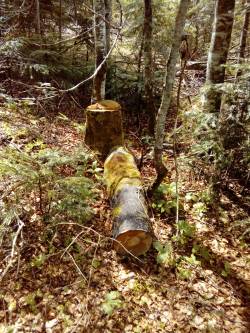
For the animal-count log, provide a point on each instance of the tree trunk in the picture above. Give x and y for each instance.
(148, 64)
(243, 37)
(104, 127)
(139, 86)
(131, 225)
(167, 92)
(38, 18)
(184, 54)
(100, 50)
(217, 56)
(75, 10)
(108, 16)
(60, 20)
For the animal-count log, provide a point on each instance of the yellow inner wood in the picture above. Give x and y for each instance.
(136, 242)
(105, 105)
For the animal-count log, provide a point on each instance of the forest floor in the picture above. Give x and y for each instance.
(84, 286)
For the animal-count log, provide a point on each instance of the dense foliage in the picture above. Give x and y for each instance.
(58, 271)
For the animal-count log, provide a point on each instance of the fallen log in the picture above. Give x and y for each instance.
(131, 224)
(196, 65)
(193, 66)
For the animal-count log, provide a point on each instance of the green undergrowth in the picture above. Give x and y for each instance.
(39, 182)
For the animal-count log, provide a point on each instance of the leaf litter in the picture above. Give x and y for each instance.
(88, 288)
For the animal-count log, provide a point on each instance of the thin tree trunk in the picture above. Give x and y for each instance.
(185, 54)
(197, 34)
(183, 67)
(148, 64)
(38, 17)
(100, 51)
(167, 92)
(243, 37)
(140, 59)
(75, 10)
(108, 17)
(217, 56)
(139, 89)
(60, 20)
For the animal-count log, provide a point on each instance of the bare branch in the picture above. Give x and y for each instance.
(12, 253)
(97, 69)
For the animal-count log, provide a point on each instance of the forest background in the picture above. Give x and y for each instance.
(58, 270)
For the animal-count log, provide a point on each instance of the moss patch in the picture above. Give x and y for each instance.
(118, 166)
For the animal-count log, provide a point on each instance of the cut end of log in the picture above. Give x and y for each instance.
(136, 242)
(105, 105)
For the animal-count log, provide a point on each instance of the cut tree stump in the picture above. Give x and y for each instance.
(131, 225)
(104, 127)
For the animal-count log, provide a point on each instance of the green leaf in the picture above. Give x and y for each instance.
(165, 253)
(158, 246)
(39, 260)
(95, 263)
(192, 260)
(107, 308)
(184, 273)
(112, 302)
(227, 269)
(112, 295)
(186, 229)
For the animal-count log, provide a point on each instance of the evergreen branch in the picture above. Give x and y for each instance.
(107, 55)
(102, 17)
(64, 40)
(97, 69)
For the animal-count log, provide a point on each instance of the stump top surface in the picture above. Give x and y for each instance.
(105, 105)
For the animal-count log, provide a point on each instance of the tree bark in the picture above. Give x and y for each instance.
(104, 127)
(139, 86)
(100, 50)
(167, 92)
(131, 225)
(243, 37)
(217, 56)
(148, 64)
(108, 16)
(60, 20)
(38, 17)
(215, 75)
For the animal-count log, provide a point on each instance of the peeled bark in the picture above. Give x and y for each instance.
(217, 56)
(131, 225)
(104, 127)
